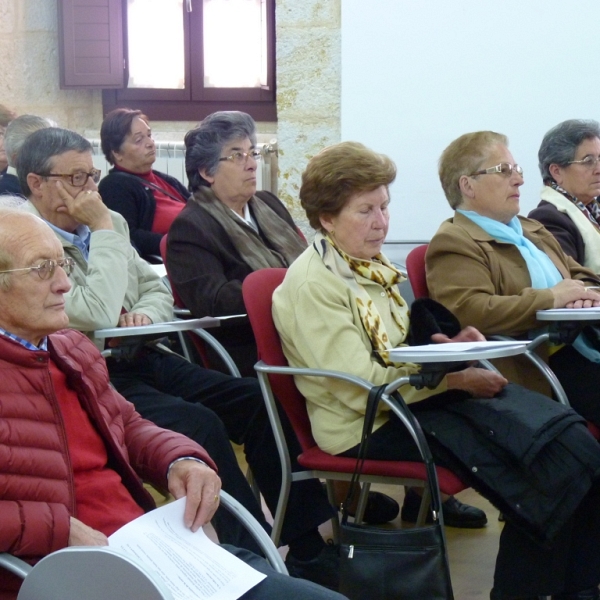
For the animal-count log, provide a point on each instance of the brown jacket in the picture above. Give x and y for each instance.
(485, 283)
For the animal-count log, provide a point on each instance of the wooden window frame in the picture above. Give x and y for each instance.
(93, 48)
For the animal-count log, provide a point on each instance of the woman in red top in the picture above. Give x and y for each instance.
(149, 200)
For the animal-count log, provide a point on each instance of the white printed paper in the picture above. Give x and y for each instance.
(189, 564)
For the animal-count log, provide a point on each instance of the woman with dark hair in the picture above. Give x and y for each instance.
(149, 200)
(228, 229)
(569, 161)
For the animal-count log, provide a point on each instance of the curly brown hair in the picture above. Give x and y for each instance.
(339, 172)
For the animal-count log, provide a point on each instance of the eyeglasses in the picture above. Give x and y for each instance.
(77, 179)
(240, 158)
(505, 169)
(47, 268)
(589, 162)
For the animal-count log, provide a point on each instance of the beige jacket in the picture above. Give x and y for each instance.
(318, 321)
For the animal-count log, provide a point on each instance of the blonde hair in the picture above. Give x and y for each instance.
(464, 156)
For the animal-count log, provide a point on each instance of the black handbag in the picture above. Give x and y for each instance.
(394, 564)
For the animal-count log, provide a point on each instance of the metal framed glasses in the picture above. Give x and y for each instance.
(589, 162)
(76, 179)
(47, 268)
(504, 169)
(240, 158)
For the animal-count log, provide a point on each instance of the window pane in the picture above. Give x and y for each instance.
(155, 39)
(235, 43)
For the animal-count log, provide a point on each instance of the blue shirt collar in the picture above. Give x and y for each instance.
(80, 238)
(43, 344)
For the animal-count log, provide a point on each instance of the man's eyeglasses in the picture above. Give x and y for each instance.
(76, 179)
(589, 162)
(47, 268)
(240, 158)
(505, 169)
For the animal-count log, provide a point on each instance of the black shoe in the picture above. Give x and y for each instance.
(324, 569)
(456, 514)
(380, 509)
(590, 594)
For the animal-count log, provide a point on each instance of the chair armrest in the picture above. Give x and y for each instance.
(219, 349)
(261, 537)
(15, 565)
(540, 365)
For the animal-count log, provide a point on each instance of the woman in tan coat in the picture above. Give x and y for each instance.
(494, 269)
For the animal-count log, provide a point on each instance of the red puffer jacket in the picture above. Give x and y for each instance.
(36, 479)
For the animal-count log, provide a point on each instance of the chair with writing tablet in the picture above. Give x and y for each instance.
(277, 381)
(94, 573)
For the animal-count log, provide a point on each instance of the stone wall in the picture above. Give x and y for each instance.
(308, 80)
(308, 89)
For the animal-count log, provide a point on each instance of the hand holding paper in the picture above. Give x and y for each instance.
(201, 487)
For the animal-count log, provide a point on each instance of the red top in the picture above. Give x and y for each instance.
(167, 208)
(102, 500)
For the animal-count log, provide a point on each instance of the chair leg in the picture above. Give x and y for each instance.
(424, 508)
(335, 522)
(362, 502)
(252, 483)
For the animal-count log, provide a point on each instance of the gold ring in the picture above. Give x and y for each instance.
(216, 498)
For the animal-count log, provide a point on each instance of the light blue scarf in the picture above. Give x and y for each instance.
(542, 271)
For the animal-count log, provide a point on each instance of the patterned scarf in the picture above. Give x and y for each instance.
(284, 241)
(382, 272)
(591, 211)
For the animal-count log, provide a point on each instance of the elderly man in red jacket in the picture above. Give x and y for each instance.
(73, 452)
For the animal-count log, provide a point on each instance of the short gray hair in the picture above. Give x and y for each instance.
(203, 145)
(42, 146)
(561, 142)
(8, 208)
(18, 131)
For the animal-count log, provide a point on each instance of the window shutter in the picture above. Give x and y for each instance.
(91, 43)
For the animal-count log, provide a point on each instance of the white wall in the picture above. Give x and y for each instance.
(416, 74)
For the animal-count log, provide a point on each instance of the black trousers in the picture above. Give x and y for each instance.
(277, 586)
(212, 408)
(524, 567)
(580, 379)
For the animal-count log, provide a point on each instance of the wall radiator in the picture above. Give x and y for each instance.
(170, 159)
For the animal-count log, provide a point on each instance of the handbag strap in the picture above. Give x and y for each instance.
(373, 400)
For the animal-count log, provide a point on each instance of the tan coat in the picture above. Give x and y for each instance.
(485, 283)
